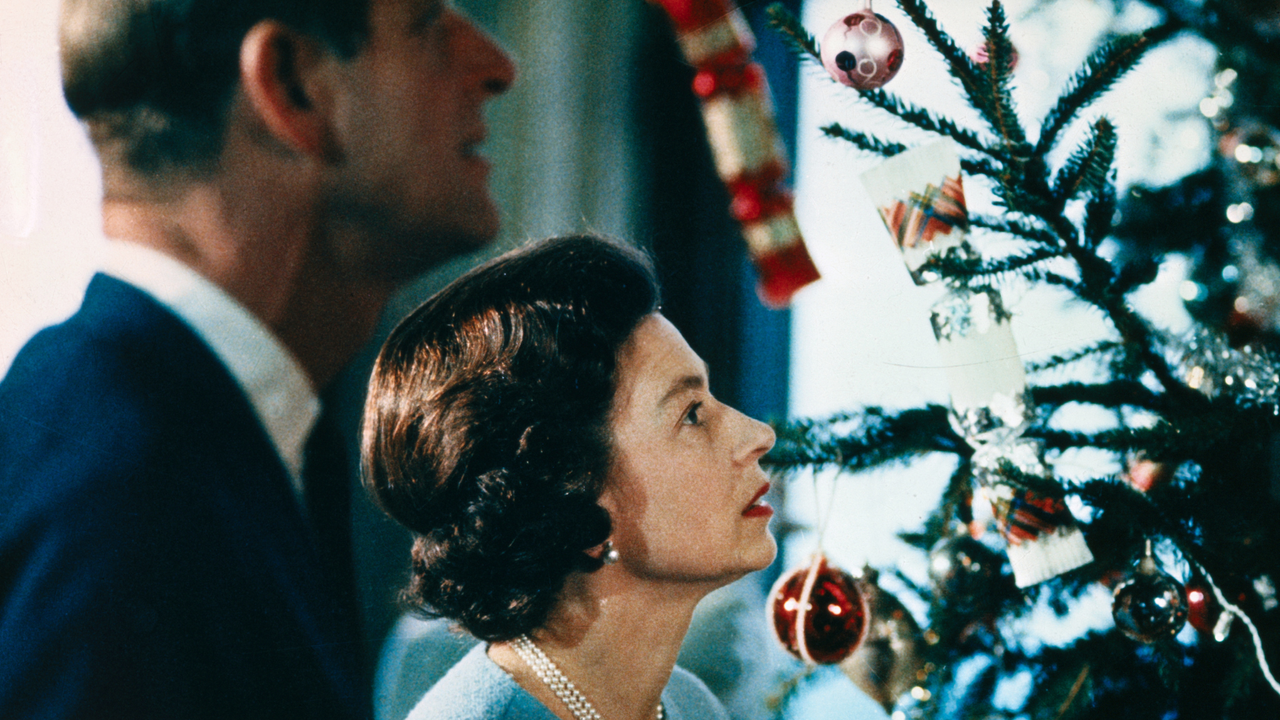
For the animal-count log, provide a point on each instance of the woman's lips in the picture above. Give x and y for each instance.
(758, 507)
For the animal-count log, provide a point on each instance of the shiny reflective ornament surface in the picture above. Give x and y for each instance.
(862, 50)
(1150, 605)
(818, 612)
(964, 571)
(888, 662)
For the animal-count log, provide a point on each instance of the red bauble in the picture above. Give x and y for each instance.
(863, 50)
(817, 612)
(1202, 607)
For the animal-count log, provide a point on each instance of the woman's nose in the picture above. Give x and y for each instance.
(759, 438)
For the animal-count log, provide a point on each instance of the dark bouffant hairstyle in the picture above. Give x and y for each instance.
(157, 76)
(486, 427)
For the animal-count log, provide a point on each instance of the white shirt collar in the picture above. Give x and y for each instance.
(278, 389)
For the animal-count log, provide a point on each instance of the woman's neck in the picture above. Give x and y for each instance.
(616, 639)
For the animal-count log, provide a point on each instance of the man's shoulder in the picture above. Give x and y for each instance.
(120, 367)
(114, 404)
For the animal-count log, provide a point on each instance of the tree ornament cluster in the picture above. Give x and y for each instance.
(1192, 422)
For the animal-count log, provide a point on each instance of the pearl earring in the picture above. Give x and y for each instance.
(610, 553)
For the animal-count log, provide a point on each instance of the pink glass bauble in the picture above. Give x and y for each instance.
(979, 54)
(817, 612)
(863, 50)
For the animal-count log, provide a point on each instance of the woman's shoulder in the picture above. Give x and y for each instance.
(477, 689)
(688, 698)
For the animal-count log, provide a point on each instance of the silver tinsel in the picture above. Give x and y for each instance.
(1248, 375)
(962, 311)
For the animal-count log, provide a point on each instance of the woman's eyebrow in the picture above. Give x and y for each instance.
(682, 384)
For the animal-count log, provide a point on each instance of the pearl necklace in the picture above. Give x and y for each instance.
(549, 674)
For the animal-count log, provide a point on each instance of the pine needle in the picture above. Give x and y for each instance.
(996, 74)
(1088, 168)
(863, 141)
(1100, 72)
(924, 119)
(797, 38)
(1101, 348)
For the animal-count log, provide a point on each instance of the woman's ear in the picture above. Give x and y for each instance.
(285, 77)
(605, 552)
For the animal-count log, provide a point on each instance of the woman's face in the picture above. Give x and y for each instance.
(685, 489)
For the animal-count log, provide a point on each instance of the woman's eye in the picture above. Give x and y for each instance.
(691, 417)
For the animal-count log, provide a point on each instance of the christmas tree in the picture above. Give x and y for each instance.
(1187, 533)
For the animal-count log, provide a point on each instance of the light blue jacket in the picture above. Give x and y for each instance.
(477, 689)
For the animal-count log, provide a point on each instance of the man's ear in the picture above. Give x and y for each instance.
(285, 76)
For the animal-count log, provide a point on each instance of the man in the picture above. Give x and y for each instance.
(273, 170)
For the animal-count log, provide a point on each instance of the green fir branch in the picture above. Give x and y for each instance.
(1099, 73)
(1099, 213)
(1116, 393)
(996, 74)
(863, 141)
(1194, 433)
(982, 166)
(991, 271)
(1018, 227)
(961, 66)
(924, 119)
(1101, 348)
(801, 42)
(1062, 281)
(1088, 168)
(877, 438)
(1026, 192)
(1118, 441)
(1136, 274)
(1139, 514)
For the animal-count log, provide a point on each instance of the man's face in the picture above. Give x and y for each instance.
(410, 116)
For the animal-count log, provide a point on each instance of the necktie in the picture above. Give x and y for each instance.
(326, 482)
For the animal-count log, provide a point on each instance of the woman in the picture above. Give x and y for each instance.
(573, 487)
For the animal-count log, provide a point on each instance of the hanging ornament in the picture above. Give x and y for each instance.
(1144, 475)
(888, 662)
(749, 155)
(964, 571)
(1203, 610)
(980, 55)
(1150, 605)
(862, 50)
(817, 612)
(921, 199)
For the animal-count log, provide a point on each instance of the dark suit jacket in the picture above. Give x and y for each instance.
(154, 562)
